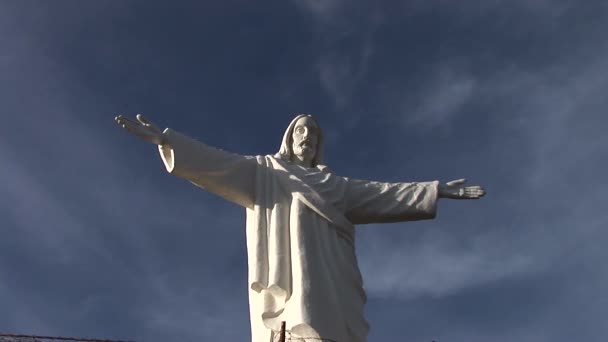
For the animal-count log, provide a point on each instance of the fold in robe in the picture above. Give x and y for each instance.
(300, 235)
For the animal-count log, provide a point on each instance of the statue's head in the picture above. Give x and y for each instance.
(302, 142)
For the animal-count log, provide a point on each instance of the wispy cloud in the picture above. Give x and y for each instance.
(340, 74)
(345, 32)
(323, 11)
(436, 265)
(441, 99)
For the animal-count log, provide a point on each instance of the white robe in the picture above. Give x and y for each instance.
(300, 235)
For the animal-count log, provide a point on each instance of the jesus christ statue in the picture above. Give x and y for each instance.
(300, 224)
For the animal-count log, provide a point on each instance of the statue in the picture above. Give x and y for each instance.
(300, 216)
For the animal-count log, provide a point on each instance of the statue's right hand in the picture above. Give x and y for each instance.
(142, 128)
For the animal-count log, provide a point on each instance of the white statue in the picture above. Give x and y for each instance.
(300, 216)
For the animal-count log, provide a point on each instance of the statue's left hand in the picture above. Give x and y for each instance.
(142, 128)
(454, 189)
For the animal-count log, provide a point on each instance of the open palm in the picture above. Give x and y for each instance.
(455, 190)
(141, 128)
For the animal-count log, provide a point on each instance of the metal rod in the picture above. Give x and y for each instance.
(282, 334)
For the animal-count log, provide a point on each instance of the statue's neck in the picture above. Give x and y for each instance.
(299, 160)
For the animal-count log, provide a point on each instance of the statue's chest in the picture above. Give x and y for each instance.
(328, 186)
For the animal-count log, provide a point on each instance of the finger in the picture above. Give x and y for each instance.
(123, 119)
(120, 118)
(141, 119)
(477, 188)
(474, 190)
(474, 194)
(456, 182)
(146, 122)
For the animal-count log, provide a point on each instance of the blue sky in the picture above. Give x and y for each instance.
(97, 240)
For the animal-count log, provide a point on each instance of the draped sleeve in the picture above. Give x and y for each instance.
(379, 202)
(226, 174)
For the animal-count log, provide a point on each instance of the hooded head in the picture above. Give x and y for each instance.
(303, 141)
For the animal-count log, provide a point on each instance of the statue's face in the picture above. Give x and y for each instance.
(305, 137)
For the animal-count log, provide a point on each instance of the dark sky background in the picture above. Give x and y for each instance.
(98, 240)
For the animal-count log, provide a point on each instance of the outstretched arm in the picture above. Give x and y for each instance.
(228, 175)
(378, 202)
(381, 202)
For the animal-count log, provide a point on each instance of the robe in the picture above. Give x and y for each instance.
(302, 267)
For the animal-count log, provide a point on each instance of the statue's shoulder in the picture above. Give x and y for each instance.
(325, 168)
(268, 160)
